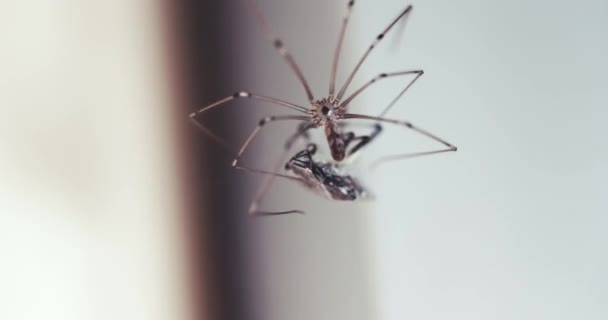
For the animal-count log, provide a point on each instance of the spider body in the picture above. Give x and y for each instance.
(326, 113)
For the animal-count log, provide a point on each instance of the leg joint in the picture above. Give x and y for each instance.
(241, 94)
(265, 120)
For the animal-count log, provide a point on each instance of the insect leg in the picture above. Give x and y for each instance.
(280, 46)
(303, 159)
(409, 125)
(376, 41)
(266, 184)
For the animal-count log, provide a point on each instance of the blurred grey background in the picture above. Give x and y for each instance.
(111, 205)
(512, 226)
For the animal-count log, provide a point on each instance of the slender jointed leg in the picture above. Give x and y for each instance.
(301, 132)
(363, 140)
(238, 95)
(376, 41)
(303, 159)
(409, 125)
(254, 133)
(213, 136)
(247, 95)
(263, 189)
(404, 156)
(269, 179)
(418, 74)
(334, 65)
(280, 46)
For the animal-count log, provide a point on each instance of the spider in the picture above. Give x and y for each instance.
(325, 178)
(329, 112)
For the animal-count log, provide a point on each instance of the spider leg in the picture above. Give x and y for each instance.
(418, 74)
(223, 101)
(301, 132)
(280, 46)
(263, 189)
(409, 125)
(253, 134)
(334, 65)
(247, 95)
(404, 156)
(213, 136)
(376, 41)
(267, 183)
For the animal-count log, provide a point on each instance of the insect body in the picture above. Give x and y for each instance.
(325, 178)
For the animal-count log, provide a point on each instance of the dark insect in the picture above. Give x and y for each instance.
(323, 178)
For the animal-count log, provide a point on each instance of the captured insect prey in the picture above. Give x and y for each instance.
(329, 113)
(323, 178)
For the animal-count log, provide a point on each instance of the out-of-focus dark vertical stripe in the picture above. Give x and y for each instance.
(197, 251)
(201, 62)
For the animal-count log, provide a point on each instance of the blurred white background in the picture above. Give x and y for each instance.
(512, 226)
(89, 214)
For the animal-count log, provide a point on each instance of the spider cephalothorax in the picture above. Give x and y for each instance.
(325, 113)
(326, 109)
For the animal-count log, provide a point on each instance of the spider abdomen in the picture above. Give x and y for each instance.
(335, 141)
